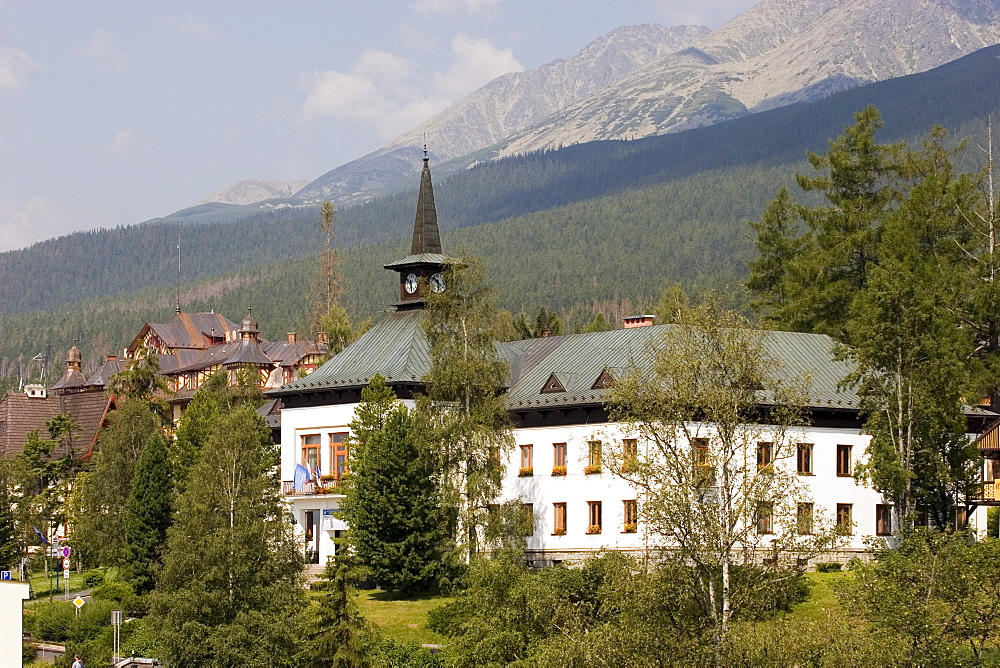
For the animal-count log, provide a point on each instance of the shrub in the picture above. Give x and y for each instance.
(829, 567)
(93, 578)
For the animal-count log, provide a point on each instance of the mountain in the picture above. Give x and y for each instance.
(639, 81)
(251, 191)
(778, 52)
(506, 105)
(576, 229)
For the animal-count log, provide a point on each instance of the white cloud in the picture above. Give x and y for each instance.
(22, 224)
(476, 62)
(188, 24)
(453, 6)
(105, 57)
(15, 67)
(123, 141)
(388, 92)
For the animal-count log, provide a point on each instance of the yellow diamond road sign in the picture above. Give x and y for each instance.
(78, 602)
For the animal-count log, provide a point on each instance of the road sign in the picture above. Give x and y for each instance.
(66, 575)
(4, 575)
(66, 551)
(78, 602)
(66, 563)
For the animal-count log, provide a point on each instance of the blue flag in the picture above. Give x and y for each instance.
(300, 478)
(44, 539)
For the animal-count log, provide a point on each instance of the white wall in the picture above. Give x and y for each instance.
(825, 488)
(11, 596)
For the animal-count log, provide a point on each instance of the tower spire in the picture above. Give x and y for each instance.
(426, 236)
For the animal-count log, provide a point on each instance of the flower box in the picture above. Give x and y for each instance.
(559, 532)
(526, 472)
(558, 470)
(594, 528)
(630, 528)
(591, 470)
(328, 477)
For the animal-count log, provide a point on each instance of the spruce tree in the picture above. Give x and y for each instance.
(147, 515)
(229, 592)
(336, 628)
(399, 528)
(11, 544)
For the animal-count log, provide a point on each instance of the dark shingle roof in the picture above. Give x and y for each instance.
(20, 415)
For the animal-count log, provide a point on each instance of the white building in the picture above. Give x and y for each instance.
(555, 399)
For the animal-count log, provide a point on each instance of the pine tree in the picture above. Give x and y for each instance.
(399, 528)
(229, 592)
(147, 515)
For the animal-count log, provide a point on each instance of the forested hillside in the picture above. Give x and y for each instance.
(91, 264)
(588, 223)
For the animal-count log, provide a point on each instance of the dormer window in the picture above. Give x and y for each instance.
(604, 381)
(552, 385)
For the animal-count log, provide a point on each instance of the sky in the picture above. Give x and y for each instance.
(112, 113)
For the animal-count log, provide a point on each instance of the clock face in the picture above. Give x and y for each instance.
(411, 284)
(437, 283)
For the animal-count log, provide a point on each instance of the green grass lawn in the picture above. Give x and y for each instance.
(41, 586)
(403, 619)
(822, 595)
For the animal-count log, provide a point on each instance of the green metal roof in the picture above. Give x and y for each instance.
(395, 348)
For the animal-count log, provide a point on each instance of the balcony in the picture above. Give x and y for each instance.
(310, 488)
(991, 491)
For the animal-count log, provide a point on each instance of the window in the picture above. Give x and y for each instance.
(883, 519)
(765, 518)
(701, 455)
(529, 510)
(593, 457)
(844, 467)
(630, 451)
(527, 452)
(558, 459)
(593, 517)
(558, 519)
(804, 459)
(804, 518)
(845, 526)
(310, 453)
(338, 455)
(703, 473)
(629, 516)
(765, 455)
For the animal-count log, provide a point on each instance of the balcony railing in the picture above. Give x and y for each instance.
(309, 488)
(991, 491)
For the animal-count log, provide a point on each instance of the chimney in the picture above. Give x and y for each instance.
(638, 321)
(292, 338)
(112, 358)
(321, 337)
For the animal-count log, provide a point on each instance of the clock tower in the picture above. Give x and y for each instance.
(423, 269)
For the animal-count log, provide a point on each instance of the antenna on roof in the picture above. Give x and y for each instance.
(177, 306)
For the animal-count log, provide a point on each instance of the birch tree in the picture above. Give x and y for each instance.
(463, 387)
(713, 458)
